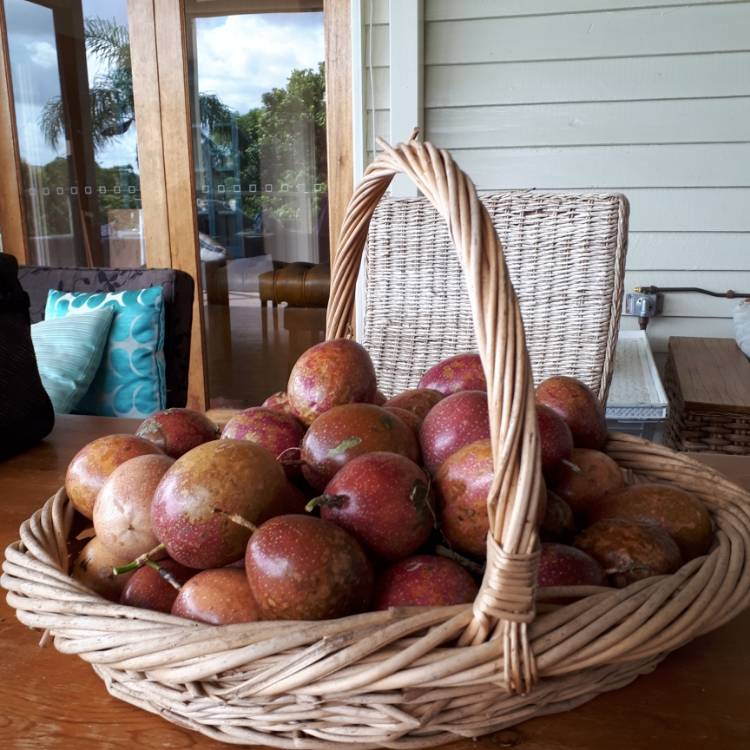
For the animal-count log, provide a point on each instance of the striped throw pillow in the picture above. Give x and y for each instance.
(68, 353)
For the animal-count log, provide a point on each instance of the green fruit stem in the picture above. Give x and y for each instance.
(139, 561)
(325, 501)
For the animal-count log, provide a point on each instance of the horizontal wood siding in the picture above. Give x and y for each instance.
(660, 121)
(719, 74)
(697, 251)
(648, 98)
(678, 30)
(581, 167)
(446, 10)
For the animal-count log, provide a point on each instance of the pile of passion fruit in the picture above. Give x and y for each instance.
(329, 499)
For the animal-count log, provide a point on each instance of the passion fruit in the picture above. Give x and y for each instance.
(204, 502)
(217, 597)
(307, 568)
(345, 432)
(462, 483)
(147, 589)
(576, 403)
(330, 374)
(176, 431)
(418, 401)
(279, 433)
(591, 476)
(456, 421)
(681, 514)
(562, 565)
(92, 465)
(462, 372)
(425, 581)
(384, 501)
(93, 568)
(628, 550)
(122, 513)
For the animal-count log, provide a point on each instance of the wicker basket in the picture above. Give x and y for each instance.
(409, 678)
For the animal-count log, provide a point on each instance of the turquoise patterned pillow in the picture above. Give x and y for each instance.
(130, 381)
(68, 353)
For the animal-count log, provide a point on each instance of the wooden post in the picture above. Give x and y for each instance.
(338, 42)
(171, 47)
(12, 233)
(144, 64)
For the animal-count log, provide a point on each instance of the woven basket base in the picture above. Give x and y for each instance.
(486, 709)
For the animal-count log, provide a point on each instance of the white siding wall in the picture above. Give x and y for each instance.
(647, 97)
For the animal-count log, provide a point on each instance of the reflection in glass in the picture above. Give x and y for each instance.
(257, 85)
(73, 99)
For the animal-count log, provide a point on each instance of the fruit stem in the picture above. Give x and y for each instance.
(420, 498)
(325, 501)
(470, 565)
(164, 573)
(292, 449)
(138, 562)
(238, 519)
(575, 468)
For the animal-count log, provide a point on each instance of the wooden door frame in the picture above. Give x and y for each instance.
(13, 238)
(339, 132)
(159, 54)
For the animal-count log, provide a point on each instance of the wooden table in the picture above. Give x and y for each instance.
(708, 384)
(696, 700)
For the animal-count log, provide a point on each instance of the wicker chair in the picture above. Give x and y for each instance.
(566, 256)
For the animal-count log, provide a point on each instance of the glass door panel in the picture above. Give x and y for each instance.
(73, 101)
(259, 148)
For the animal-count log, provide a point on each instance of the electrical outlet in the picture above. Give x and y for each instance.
(643, 305)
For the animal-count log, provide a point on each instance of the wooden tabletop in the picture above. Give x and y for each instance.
(696, 700)
(712, 374)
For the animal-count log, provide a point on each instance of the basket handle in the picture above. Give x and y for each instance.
(505, 604)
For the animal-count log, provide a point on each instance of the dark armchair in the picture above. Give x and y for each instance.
(178, 289)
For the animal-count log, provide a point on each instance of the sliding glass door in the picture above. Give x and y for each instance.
(72, 97)
(193, 134)
(258, 112)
